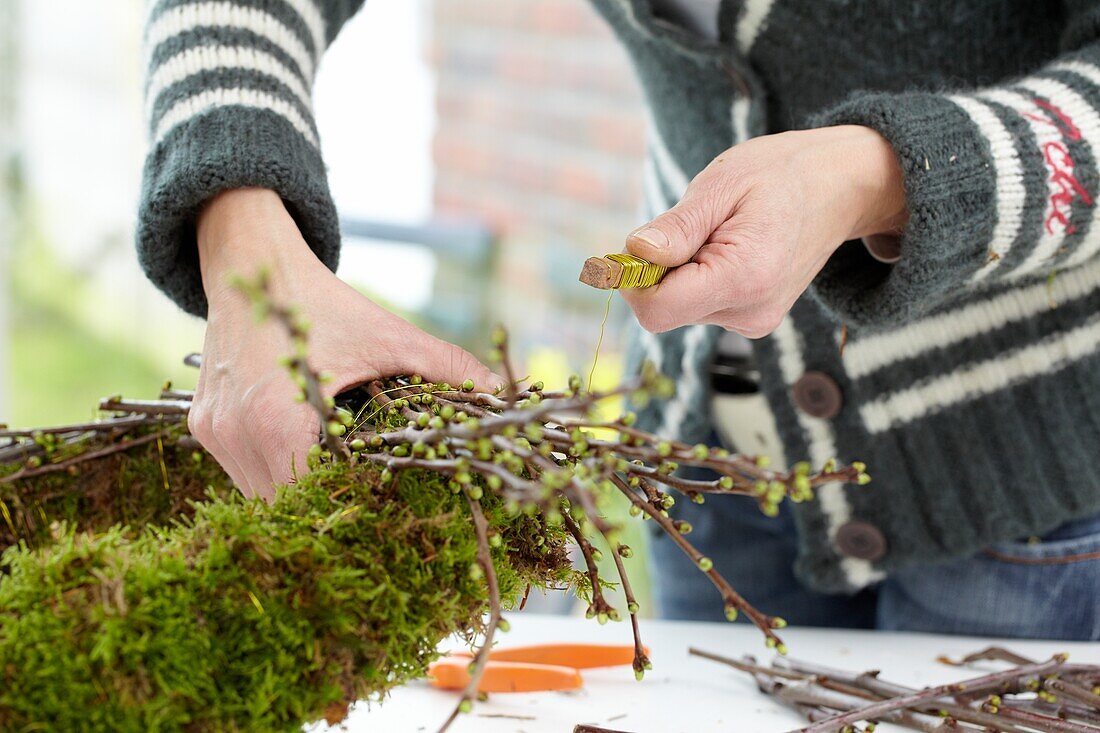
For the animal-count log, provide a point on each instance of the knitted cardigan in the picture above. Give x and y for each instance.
(970, 374)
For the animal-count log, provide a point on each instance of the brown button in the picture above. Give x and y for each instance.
(860, 540)
(817, 394)
(883, 247)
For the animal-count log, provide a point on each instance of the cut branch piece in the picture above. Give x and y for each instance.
(602, 273)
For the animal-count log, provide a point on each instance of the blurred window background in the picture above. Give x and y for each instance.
(478, 152)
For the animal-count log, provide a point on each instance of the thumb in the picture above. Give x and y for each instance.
(445, 362)
(675, 236)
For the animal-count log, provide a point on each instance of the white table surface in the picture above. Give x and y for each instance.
(682, 694)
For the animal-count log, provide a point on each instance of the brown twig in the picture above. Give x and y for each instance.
(80, 458)
(984, 683)
(481, 657)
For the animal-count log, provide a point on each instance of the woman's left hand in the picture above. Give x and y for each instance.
(756, 226)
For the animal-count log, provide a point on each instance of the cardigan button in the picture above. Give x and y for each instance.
(817, 394)
(883, 247)
(861, 540)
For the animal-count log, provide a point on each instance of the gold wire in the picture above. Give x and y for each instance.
(637, 273)
(599, 343)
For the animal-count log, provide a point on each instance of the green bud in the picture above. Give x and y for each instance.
(664, 448)
(863, 479)
(684, 527)
(699, 498)
(504, 626)
(632, 607)
(495, 541)
(475, 493)
(731, 613)
(314, 450)
(763, 461)
(601, 618)
(700, 451)
(358, 444)
(476, 573)
(859, 466)
(625, 551)
(465, 706)
(706, 564)
(468, 385)
(336, 429)
(416, 379)
(639, 674)
(400, 451)
(726, 482)
(778, 622)
(781, 648)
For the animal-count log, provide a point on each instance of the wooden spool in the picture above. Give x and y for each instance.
(602, 273)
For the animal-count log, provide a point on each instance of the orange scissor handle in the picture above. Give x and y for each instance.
(453, 673)
(579, 656)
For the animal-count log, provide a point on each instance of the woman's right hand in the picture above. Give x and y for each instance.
(244, 412)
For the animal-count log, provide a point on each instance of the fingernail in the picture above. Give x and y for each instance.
(652, 236)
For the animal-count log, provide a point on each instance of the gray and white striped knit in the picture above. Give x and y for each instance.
(975, 401)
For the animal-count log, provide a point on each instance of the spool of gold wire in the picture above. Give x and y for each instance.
(621, 270)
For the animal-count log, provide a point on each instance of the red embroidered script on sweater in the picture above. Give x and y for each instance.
(1064, 185)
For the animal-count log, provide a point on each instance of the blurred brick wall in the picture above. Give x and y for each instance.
(541, 135)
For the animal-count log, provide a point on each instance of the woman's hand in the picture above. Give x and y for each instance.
(244, 411)
(756, 226)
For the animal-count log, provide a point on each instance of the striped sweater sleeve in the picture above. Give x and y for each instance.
(1001, 185)
(228, 105)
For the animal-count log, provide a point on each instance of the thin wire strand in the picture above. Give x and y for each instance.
(599, 343)
(637, 273)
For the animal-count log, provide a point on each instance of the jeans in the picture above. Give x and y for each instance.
(1047, 589)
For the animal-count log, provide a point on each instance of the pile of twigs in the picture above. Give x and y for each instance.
(1027, 696)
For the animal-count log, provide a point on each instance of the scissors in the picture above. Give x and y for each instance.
(533, 668)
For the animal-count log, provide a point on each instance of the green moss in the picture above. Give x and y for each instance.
(129, 607)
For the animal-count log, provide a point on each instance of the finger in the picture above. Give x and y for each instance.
(687, 294)
(260, 475)
(673, 238)
(232, 460)
(440, 361)
(289, 463)
(202, 429)
(232, 467)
